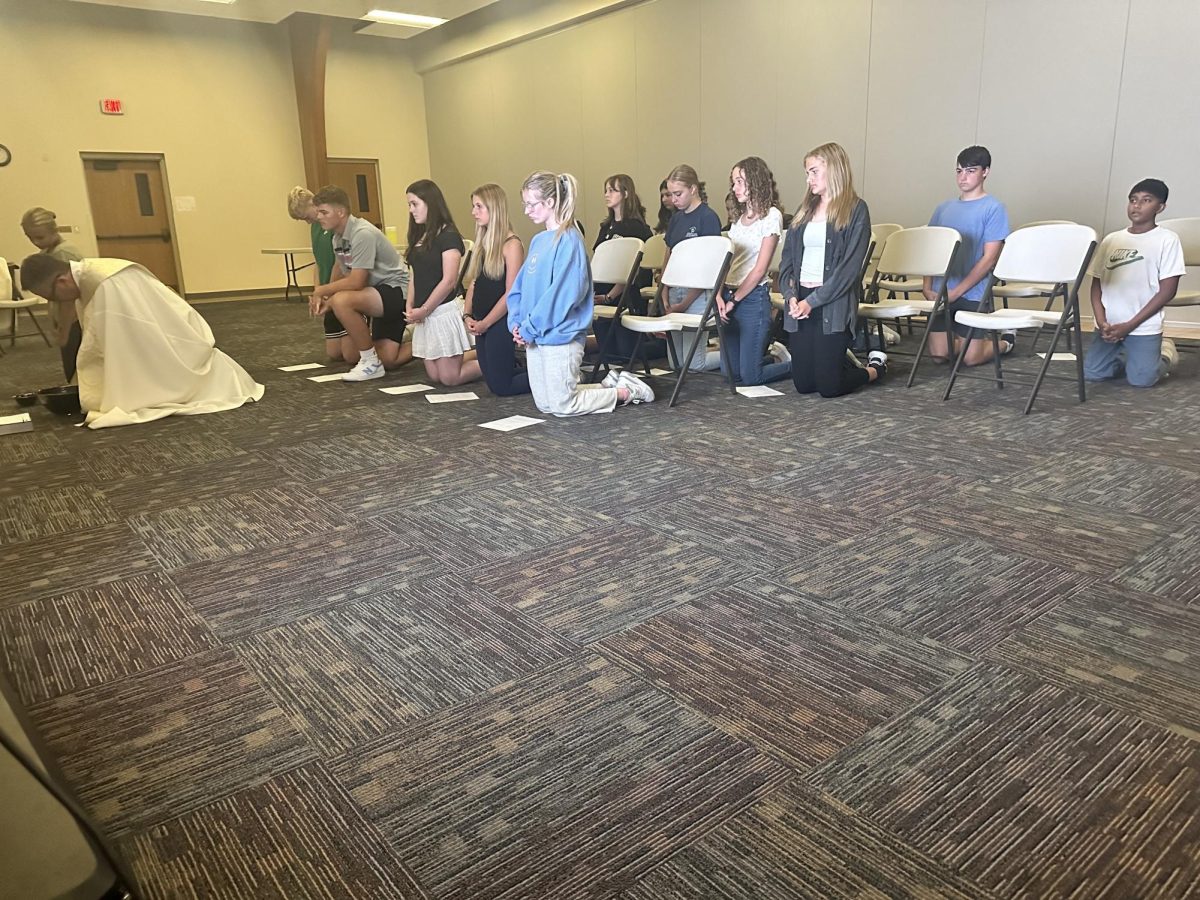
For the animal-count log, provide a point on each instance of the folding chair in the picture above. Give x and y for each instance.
(896, 282)
(615, 261)
(1189, 235)
(699, 263)
(924, 251)
(12, 301)
(1005, 291)
(654, 253)
(1042, 254)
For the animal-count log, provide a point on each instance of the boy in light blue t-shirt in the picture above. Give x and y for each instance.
(982, 221)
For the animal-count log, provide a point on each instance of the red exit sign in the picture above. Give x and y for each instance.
(112, 107)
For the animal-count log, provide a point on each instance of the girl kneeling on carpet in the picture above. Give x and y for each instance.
(435, 251)
(820, 277)
(550, 307)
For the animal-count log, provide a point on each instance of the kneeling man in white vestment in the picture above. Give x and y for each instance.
(146, 353)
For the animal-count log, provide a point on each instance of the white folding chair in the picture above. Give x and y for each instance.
(924, 251)
(615, 261)
(1189, 235)
(12, 301)
(654, 253)
(701, 264)
(894, 282)
(1041, 254)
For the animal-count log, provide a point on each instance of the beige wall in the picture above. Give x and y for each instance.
(1076, 98)
(216, 97)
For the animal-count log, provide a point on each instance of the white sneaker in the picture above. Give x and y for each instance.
(877, 358)
(890, 335)
(611, 379)
(780, 352)
(639, 391)
(1169, 353)
(365, 370)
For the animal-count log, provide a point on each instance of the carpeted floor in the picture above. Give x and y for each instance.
(341, 644)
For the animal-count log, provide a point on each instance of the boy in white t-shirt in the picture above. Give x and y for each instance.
(1135, 273)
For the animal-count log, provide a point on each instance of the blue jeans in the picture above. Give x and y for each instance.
(1139, 355)
(746, 339)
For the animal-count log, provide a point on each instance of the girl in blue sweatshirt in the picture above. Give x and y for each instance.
(550, 307)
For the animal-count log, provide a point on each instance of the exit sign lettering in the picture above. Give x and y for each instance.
(112, 107)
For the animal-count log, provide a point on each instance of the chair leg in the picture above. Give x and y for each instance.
(996, 361)
(38, 326)
(933, 313)
(683, 369)
(957, 362)
(637, 346)
(1077, 330)
(1045, 367)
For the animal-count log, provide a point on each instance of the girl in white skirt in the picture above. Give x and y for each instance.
(435, 251)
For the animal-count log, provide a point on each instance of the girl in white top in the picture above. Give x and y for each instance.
(745, 303)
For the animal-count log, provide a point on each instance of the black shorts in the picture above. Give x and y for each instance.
(389, 326)
(939, 323)
(333, 326)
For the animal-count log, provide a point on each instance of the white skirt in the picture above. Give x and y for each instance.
(442, 334)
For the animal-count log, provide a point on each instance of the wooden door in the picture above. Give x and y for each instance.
(130, 211)
(359, 178)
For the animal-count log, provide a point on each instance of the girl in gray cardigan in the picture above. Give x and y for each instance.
(820, 279)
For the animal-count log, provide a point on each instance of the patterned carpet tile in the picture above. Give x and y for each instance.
(402, 484)
(838, 431)
(254, 591)
(294, 837)
(196, 484)
(588, 586)
(1169, 569)
(480, 527)
(223, 526)
(1072, 535)
(1156, 444)
(1147, 489)
(960, 592)
(1120, 647)
(750, 525)
(313, 461)
(572, 782)
(168, 453)
(45, 512)
(727, 456)
(29, 446)
(357, 671)
(159, 743)
(94, 636)
(53, 474)
(796, 844)
(796, 678)
(951, 449)
(262, 426)
(859, 484)
(43, 568)
(1031, 790)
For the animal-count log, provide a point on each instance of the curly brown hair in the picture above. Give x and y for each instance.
(762, 192)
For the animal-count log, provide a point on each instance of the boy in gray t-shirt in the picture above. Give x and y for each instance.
(368, 280)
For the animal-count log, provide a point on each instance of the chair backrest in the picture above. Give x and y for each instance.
(6, 282)
(917, 252)
(614, 259)
(1045, 222)
(654, 251)
(1047, 254)
(699, 263)
(1189, 235)
(879, 234)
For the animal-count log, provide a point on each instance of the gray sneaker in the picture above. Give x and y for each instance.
(639, 391)
(611, 379)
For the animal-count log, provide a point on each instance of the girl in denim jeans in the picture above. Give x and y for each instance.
(745, 303)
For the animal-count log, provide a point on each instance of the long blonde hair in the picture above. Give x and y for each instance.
(686, 175)
(839, 187)
(488, 256)
(563, 189)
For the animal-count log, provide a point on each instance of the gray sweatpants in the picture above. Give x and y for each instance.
(554, 381)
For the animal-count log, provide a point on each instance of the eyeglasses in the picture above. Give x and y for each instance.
(527, 206)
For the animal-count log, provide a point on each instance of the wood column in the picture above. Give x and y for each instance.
(309, 36)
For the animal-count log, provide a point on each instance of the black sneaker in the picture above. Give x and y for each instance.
(1008, 340)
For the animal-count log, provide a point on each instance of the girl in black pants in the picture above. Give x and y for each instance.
(494, 264)
(820, 278)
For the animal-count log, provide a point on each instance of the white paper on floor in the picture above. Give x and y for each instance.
(1059, 357)
(406, 389)
(336, 376)
(16, 424)
(511, 423)
(301, 367)
(759, 390)
(451, 398)
(661, 372)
